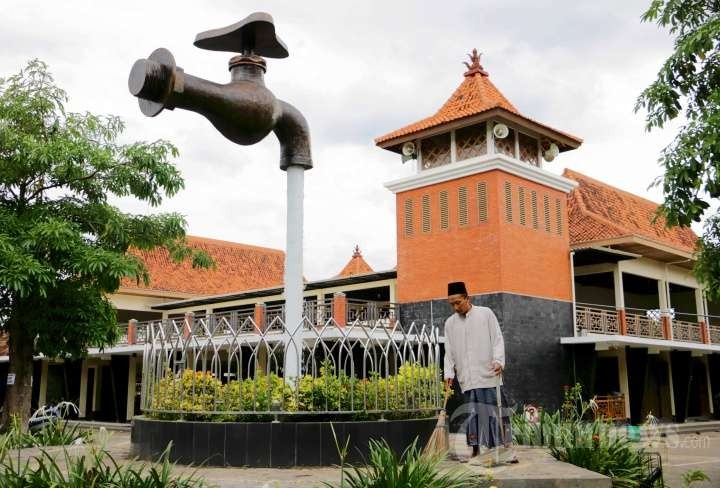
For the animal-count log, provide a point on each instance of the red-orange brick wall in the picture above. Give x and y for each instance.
(490, 257)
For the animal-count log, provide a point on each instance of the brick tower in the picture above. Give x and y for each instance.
(481, 208)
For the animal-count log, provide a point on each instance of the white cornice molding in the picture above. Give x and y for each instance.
(478, 165)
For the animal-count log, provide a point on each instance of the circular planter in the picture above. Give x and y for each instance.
(271, 444)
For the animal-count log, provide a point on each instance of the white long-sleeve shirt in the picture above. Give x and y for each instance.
(472, 344)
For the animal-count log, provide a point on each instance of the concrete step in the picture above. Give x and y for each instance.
(92, 425)
(647, 431)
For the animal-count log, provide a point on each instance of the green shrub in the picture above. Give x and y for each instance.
(611, 456)
(411, 470)
(575, 435)
(195, 395)
(56, 433)
(96, 470)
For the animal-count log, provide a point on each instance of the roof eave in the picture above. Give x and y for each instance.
(567, 141)
(685, 257)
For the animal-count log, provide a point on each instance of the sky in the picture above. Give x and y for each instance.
(356, 70)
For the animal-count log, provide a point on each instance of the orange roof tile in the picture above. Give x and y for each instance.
(356, 265)
(238, 267)
(598, 211)
(475, 95)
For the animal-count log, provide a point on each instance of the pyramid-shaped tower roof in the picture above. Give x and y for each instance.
(357, 265)
(475, 96)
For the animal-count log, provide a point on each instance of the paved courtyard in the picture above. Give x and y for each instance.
(687, 452)
(680, 454)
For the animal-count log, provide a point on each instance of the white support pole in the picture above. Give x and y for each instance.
(619, 289)
(623, 379)
(574, 299)
(709, 383)
(294, 270)
(672, 387)
(132, 372)
(42, 398)
(82, 407)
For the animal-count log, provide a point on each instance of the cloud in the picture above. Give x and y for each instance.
(356, 70)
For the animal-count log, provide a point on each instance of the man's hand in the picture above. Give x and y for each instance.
(497, 368)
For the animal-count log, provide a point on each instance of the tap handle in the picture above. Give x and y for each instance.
(255, 34)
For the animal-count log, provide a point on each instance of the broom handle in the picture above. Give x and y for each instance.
(448, 391)
(501, 425)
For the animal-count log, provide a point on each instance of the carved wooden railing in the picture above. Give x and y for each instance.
(643, 326)
(714, 334)
(611, 407)
(597, 320)
(686, 331)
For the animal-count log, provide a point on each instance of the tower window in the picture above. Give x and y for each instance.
(444, 211)
(506, 145)
(558, 217)
(521, 196)
(528, 149)
(471, 141)
(435, 151)
(546, 208)
(408, 217)
(482, 202)
(426, 213)
(462, 206)
(533, 208)
(508, 202)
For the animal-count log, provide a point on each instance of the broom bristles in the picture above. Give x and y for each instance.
(439, 442)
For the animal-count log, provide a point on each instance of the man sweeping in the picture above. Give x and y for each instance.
(474, 348)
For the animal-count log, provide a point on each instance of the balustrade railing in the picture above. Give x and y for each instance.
(610, 407)
(713, 334)
(603, 319)
(597, 320)
(686, 331)
(644, 326)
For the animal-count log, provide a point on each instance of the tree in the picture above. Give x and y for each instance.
(689, 84)
(63, 247)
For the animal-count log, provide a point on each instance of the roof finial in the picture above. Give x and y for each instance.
(356, 252)
(474, 67)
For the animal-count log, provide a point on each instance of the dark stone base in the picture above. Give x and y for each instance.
(271, 444)
(537, 365)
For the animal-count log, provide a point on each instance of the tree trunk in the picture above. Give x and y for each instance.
(19, 395)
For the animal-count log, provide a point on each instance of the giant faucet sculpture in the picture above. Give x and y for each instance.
(244, 111)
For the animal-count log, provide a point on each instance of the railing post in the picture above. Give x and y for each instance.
(259, 317)
(339, 309)
(704, 332)
(187, 324)
(667, 327)
(132, 332)
(622, 321)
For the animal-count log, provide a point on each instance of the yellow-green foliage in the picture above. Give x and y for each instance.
(194, 395)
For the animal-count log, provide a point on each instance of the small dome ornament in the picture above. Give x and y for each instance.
(474, 67)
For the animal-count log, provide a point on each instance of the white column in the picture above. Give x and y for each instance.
(453, 147)
(572, 285)
(700, 304)
(664, 300)
(96, 400)
(672, 388)
(624, 382)
(132, 371)
(42, 398)
(709, 384)
(618, 286)
(294, 270)
(82, 407)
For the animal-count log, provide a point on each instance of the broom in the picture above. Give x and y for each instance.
(439, 442)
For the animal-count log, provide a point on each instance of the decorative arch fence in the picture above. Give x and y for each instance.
(225, 365)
